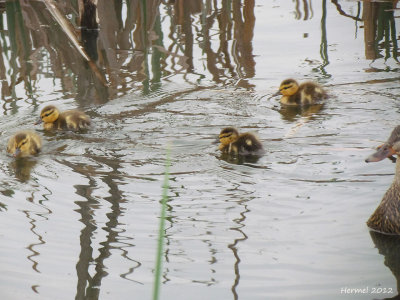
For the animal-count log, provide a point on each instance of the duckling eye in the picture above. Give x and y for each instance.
(225, 136)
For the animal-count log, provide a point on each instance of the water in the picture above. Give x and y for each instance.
(81, 219)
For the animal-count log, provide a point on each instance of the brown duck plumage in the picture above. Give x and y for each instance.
(24, 143)
(74, 120)
(386, 217)
(243, 144)
(306, 93)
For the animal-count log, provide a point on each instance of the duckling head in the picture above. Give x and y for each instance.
(388, 149)
(49, 114)
(22, 142)
(228, 135)
(288, 87)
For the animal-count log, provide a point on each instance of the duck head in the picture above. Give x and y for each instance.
(288, 87)
(227, 136)
(388, 149)
(49, 114)
(22, 148)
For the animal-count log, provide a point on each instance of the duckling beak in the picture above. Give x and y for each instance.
(216, 141)
(16, 152)
(276, 94)
(384, 151)
(39, 121)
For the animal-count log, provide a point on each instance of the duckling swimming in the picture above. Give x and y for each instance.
(232, 142)
(24, 143)
(386, 218)
(74, 120)
(306, 93)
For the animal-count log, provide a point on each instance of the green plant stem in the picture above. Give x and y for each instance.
(161, 231)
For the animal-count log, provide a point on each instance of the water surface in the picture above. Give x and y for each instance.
(81, 219)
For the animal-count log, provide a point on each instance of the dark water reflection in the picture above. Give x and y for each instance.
(80, 220)
(388, 246)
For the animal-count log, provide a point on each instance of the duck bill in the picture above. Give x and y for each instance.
(17, 152)
(216, 141)
(39, 121)
(276, 94)
(382, 153)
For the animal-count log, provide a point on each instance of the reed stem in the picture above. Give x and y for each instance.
(161, 230)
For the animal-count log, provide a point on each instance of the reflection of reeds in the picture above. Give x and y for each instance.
(69, 32)
(379, 30)
(19, 44)
(324, 41)
(307, 8)
(161, 230)
(128, 44)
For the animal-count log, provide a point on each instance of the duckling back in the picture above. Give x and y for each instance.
(311, 93)
(68, 120)
(24, 143)
(304, 94)
(73, 120)
(247, 144)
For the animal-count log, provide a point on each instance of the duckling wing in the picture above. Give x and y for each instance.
(313, 91)
(248, 144)
(74, 120)
(36, 143)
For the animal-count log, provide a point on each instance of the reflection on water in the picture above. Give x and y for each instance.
(291, 113)
(130, 48)
(289, 224)
(380, 30)
(239, 159)
(389, 247)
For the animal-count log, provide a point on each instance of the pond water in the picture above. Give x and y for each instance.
(81, 219)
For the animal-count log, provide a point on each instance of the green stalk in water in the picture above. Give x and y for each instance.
(161, 230)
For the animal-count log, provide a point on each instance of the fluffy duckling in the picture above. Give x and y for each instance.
(74, 120)
(232, 142)
(386, 218)
(304, 94)
(24, 143)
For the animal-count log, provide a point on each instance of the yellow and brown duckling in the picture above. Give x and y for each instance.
(24, 143)
(306, 93)
(74, 120)
(232, 142)
(386, 218)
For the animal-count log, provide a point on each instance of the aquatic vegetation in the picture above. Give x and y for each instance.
(161, 229)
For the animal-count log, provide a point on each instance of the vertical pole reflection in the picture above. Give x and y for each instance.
(389, 247)
(31, 247)
(242, 48)
(324, 42)
(86, 254)
(143, 25)
(157, 55)
(379, 30)
(20, 46)
(88, 286)
(240, 224)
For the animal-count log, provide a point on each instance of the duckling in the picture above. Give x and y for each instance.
(74, 120)
(306, 93)
(386, 218)
(24, 143)
(232, 142)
